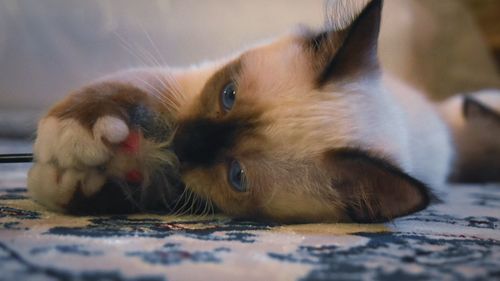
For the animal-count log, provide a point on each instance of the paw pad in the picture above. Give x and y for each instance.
(131, 143)
(134, 176)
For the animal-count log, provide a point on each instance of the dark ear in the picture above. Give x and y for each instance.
(372, 189)
(352, 50)
(474, 109)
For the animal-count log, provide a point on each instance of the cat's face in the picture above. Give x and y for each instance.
(296, 130)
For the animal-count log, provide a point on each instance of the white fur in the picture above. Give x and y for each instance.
(491, 97)
(45, 146)
(67, 156)
(43, 187)
(341, 13)
(451, 108)
(113, 129)
(429, 142)
(382, 116)
(477, 140)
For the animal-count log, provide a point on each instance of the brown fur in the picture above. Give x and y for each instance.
(209, 102)
(478, 157)
(372, 188)
(122, 100)
(111, 98)
(304, 105)
(289, 179)
(346, 53)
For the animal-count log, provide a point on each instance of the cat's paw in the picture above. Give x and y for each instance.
(71, 159)
(67, 143)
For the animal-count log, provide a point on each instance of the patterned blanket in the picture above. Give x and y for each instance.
(455, 240)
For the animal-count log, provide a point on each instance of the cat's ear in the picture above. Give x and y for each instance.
(472, 109)
(350, 50)
(371, 189)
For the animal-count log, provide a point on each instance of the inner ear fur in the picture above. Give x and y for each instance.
(371, 189)
(348, 52)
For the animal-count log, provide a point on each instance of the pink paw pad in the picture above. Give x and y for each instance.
(131, 143)
(134, 176)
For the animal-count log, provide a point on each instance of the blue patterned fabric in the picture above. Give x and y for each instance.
(456, 240)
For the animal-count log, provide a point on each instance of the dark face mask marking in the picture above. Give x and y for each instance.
(203, 141)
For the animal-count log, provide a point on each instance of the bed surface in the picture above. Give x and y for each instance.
(456, 240)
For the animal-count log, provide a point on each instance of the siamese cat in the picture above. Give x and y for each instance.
(474, 120)
(306, 128)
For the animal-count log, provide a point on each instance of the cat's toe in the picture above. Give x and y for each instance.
(111, 128)
(44, 188)
(67, 143)
(71, 158)
(55, 188)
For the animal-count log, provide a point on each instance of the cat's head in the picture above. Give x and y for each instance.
(299, 130)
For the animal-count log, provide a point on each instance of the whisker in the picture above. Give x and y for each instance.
(178, 201)
(193, 201)
(155, 91)
(183, 210)
(128, 47)
(170, 103)
(145, 52)
(129, 195)
(204, 209)
(155, 48)
(167, 80)
(175, 88)
(197, 205)
(163, 181)
(172, 93)
(149, 56)
(212, 207)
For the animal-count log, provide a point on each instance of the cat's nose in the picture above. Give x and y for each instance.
(202, 142)
(189, 146)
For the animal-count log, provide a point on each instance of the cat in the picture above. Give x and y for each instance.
(305, 128)
(474, 120)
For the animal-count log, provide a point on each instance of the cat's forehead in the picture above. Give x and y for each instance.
(279, 65)
(279, 101)
(273, 67)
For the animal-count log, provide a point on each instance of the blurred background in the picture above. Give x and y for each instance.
(50, 47)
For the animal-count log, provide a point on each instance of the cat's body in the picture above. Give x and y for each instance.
(474, 120)
(305, 128)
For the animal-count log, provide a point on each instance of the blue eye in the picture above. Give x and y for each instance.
(228, 96)
(236, 176)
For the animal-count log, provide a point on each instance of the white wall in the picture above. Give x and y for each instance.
(49, 47)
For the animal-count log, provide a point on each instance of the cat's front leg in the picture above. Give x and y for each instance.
(102, 147)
